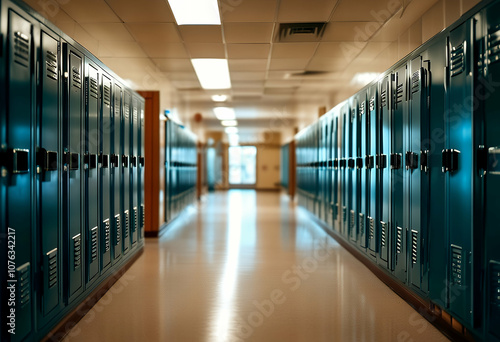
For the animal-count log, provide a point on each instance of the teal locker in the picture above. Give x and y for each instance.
(142, 165)
(353, 176)
(362, 173)
(134, 152)
(126, 171)
(376, 162)
(116, 173)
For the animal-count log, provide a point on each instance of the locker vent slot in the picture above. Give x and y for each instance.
(125, 234)
(21, 49)
(51, 65)
(383, 98)
(77, 79)
(415, 82)
(372, 228)
(107, 97)
(383, 234)
(93, 243)
(94, 92)
(126, 110)
(77, 251)
(399, 240)
(361, 224)
(52, 268)
(352, 223)
(107, 235)
(494, 46)
(399, 93)
(457, 60)
(372, 104)
(135, 114)
(414, 247)
(136, 217)
(495, 284)
(118, 228)
(142, 215)
(456, 265)
(24, 284)
(362, 108)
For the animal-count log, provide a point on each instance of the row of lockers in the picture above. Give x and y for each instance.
(407, 170)
(181, 158)
(71, 198)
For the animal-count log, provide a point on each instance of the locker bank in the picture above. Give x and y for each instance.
(249, 170)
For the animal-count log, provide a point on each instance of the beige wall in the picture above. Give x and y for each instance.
(268, 167)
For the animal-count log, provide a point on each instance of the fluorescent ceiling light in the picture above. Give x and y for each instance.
(195, 12)
(229, 123)
(219, 98)
(224, 113)
(212, 73)
(231, 130)
(234, 139)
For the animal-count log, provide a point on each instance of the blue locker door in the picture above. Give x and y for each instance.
(385, 173)
(336, 172)
(116, 175)
(141, 173)
(329, 185)
(459, 167)
(363, 175)
(346, 189)
(48, 162)
(134, 145)
(400, 115)
(126, 172)
(91, 171)
(105, 189)
(377, 163)
(73, 137)
(353, 173)
(19, 199)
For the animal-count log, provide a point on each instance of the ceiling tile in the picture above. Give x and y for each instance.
(183, 76)
(125, 65)
(247, 65)
(91, 11)
(201, 33)
(288, 64)
(206, 50)
(372, 50)
(186, 84)
(241, 85)
(154, 32)
(245, 51)
(433, 21)
(327, 64)
(248, 11)
(338, 31)
(290, 83)
(279, 91)
(292, 11)
(248, 32)
(366, 10)
(174, 65)
(293, 50)
(120, 49)
(166, 50)
(156, 11)
(108, 31)
(247, 76)
(339, 50)
(84, 38)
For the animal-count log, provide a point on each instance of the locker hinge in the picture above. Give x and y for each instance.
(450, 160)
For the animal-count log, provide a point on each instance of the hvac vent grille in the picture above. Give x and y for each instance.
(125, 232)
(372, 228)
(495, 283)
(415, 82)
(457, 60)
(300, 32)
(414, 247)
(77, 251)
(51, 65)
(494, 46)
(399, 240)
(52, 268)
(383, 98)
(383, 234)
(361, 221)
(94, 92)
(118, 229)
(93, 243)
(456, 265)
(77, 79)
(24, 281)
(107, 235)
(21, 49)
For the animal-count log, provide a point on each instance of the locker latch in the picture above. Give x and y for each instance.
(381, 161)
(395, 161)
(369, 162)
(335, 163)
(424, 160)
(133, 161)
(46, 160)
(411, 160)
(124, 161)
(350, 163)
(113, 159)
(330, 164)
(450, 160)
(90, 161)
(104, 160)
(141, 161)
(342, 163)
(17, 161)
(359, 163)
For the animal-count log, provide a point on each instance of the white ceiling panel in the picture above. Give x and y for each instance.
(108, 31)
(293, 50)
(248, 10)
(165, 50)
(246, 51)
(248, 32)
(294, 11)
(206, 50)
(201, 33)
(154, 32)
(155, 11)
(89, 11)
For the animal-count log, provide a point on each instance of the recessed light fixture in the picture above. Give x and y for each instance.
(219, 98)
(195, 12)
(229, 123)
(213, 73)
(224, 113)
(231, 130)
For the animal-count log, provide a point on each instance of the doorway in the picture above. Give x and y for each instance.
(242, 166)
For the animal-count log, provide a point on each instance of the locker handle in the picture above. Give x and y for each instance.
(359, 163)
(424, 161)
(350, 163)
(114, 160)
(141, 161)
(104, 160)
(342, 163)
(124, 161)
(90, 161)
(336, 164)
(449, 160)
(133, 161)
(18, 161)
(46, 160)
(369, 162)
(330, 163)
(381, 161)
(411, 160)
(395, 161)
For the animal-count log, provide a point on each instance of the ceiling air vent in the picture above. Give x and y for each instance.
(300, 32)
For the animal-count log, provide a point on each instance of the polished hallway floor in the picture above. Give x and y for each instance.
(248, 266)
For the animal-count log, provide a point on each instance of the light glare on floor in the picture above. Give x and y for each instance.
(213, 73)
(195, 12)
